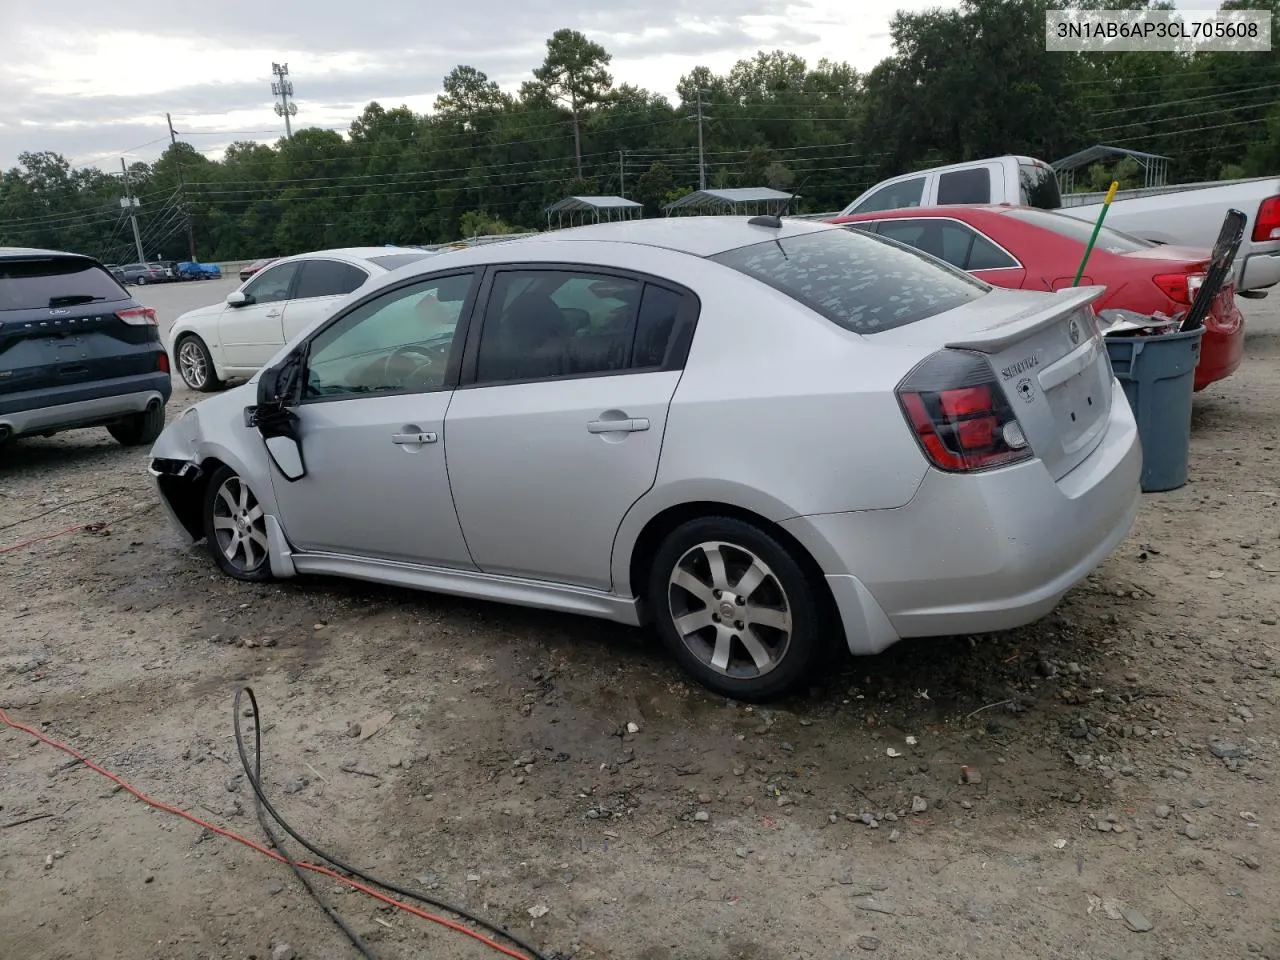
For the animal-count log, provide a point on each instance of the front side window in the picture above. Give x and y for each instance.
(272, 286)
(400, 342)
(556, 323)
(1039, 186)
(857, 280)
(895, 196)
(328, 278)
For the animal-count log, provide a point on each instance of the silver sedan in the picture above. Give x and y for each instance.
(762, 436)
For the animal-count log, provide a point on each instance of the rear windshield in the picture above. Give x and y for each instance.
(55, 282)
(864, 283)
(1039, 185)
(1113, 241)
(394, 260)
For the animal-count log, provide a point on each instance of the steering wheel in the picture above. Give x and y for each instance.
(407, 363)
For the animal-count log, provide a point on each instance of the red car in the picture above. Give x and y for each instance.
(1031, 249)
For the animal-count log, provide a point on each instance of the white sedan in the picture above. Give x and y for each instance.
(762, 436)
(213, 344)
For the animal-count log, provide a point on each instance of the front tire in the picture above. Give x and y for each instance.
(736, 609)
(140, 428)
(236, 528)
(195, 364)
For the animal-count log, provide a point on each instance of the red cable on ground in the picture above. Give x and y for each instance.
(86, 527)
(230, 835)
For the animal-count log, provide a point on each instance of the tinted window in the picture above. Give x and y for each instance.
(859, 281)
(397, 343)
(985, 255)
(1113, 241)
(556, 323)
(656, 329)
(328, 278)
(895, 196)
(55, 282)
(965, 186)
(395, 260)
(957, 244)
(272, 286)
(1039, 186)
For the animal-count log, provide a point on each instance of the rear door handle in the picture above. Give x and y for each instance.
(618, 426)
(404, 438)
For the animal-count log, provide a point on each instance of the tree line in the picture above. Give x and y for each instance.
(959, 85)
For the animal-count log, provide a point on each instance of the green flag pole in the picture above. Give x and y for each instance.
(1097, 227)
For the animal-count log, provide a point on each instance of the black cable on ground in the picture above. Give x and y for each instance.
(253, 772)
(255, 780)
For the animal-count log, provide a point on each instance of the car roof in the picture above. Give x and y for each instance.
(26, 252)
(699, 236)
(361, 254)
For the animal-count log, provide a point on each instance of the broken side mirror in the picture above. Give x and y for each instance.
(279, 388)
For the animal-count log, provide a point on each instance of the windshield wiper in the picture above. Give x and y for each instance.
(73, 299)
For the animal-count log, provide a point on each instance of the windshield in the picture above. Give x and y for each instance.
(55, 282)
(864, 283)
(1113, 241)
(394, 260)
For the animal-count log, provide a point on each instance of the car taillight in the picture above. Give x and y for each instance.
(959, 414)
(1179, 287)
(138, 316)
(163, 362)
(1266, 226)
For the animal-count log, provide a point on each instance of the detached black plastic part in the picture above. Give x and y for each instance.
(766, 220)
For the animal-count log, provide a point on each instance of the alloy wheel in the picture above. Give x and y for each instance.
(730, 610)
(240, 525)
(192, 365)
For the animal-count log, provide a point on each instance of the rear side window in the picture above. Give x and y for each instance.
(1039, 186)
(859, 281)
(53, 282)
(1112, 241)
(328, 278)
(965, 186)
(895, 196)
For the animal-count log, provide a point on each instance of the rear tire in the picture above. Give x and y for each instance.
(195, 364)
(236, 528)
(140, 428)
(736, 609)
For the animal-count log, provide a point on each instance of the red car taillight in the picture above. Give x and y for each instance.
(959, 414)
(1267, 224)
(138, 316)
(163, 362)
(1179, 287)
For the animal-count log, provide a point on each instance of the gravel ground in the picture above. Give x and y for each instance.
(1097, 785)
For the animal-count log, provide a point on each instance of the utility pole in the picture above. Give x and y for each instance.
(130, 202)
(622, 174)
(700, 117)
(283, 89)
(182, 186)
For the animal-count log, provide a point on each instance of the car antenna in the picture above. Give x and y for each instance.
(774, 220)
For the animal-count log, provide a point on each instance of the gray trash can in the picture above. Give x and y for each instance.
(1158, 376)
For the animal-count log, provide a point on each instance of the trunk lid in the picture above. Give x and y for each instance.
(1048, 356)
(59, 325)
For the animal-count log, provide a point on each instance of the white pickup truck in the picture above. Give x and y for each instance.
(1185, 215)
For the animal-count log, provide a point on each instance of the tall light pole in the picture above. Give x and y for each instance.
(283, 88)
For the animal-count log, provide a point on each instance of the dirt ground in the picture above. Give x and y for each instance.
(1124, 745)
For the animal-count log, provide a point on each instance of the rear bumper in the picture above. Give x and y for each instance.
(1260, 270)
(1221, 352)
(82, 405)
(978, 553)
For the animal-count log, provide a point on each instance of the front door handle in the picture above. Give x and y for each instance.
(618, 426)
(403, 438)
(273, 313)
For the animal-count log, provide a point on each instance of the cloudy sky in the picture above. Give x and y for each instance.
(94, 82)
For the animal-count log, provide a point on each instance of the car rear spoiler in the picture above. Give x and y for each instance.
(1022, 325)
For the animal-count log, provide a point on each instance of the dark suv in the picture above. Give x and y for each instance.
(76, 350)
